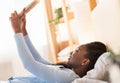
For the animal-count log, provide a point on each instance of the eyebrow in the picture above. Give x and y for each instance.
(77, 49)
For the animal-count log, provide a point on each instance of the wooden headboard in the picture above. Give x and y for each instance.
(51, 35)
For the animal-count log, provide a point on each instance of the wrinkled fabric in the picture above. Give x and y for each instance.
(26, 79)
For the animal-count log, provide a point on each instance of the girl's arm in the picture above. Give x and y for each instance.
(52, 74)
(33, 51)
(29, 44)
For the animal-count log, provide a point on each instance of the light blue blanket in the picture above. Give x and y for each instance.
(26, 79)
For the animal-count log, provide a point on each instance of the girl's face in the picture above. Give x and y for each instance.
(77, 56)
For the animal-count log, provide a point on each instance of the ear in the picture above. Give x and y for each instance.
(85, 62)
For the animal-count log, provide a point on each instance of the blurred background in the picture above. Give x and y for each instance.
(55, 34)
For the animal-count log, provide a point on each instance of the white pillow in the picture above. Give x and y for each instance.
(100, 67)
(87, 80)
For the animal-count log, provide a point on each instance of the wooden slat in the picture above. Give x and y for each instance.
(51, 31)
(70, 17)
(66, 20)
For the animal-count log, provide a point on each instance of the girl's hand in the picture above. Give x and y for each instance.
(23, 22)
(15, 22)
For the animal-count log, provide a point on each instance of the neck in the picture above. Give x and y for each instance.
(64, 64)
(81, 71)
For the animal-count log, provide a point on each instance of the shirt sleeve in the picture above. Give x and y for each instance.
(52, 74)
(33, 51)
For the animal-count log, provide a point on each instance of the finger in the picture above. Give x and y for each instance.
(22, 13)
(12, 14)
(10, 18)
(15, 13)
(23, 18)
(24, 10)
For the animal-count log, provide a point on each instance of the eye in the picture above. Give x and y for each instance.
(71, 52)
(77, 50)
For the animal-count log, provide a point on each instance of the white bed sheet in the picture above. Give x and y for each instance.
(4, 82)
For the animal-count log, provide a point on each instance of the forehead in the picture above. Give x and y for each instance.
(81, 47)
(81, 50)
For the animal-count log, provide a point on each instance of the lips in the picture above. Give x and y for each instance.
(69, 57)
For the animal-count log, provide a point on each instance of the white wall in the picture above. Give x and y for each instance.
(102, 24)
(83, 22)
(106, 18)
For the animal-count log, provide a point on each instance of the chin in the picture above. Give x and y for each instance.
(69, 62)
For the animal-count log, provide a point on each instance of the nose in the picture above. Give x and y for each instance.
(71, 52)
(71, 55)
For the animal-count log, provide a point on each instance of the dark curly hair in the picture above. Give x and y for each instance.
(95, 49)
